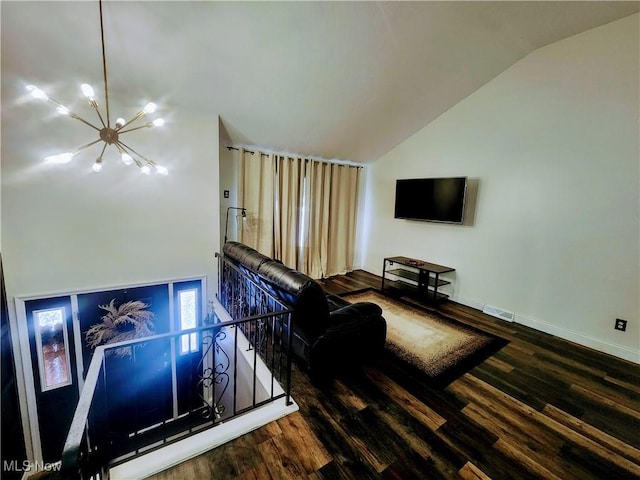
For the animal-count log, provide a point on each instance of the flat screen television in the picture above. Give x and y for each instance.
(431, 199)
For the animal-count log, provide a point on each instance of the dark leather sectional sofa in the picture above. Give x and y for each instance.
(329, 333)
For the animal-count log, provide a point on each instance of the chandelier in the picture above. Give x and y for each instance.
(108, 133)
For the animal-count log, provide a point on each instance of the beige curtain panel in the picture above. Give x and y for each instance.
(289, 203)
(256, 193)
(332, 213)
(300, 211)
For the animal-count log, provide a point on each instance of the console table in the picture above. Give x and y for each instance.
(423, 278)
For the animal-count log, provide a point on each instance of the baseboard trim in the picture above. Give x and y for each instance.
(609, 348)
(616, 350)
(476, 304)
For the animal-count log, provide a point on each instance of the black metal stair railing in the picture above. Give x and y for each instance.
(244, 295)
(156, 395)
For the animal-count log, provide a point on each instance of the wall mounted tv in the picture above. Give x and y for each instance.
(431, 199)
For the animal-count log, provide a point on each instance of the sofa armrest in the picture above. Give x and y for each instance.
(360, 322)
(354, 314)
(356, 334)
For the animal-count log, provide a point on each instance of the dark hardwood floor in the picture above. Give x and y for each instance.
(541, 407)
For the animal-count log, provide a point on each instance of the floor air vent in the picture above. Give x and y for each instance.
(499, 313)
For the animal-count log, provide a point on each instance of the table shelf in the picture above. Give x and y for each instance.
(416, 278)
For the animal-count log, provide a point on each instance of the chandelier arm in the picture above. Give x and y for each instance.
(146, 125)
(78, 117)
(123, 148)
(104, 69)
(103, 149)
(87, 145)
(150, 162)
(72, 114)
(56, 103)
(95, 105)
(137, 117)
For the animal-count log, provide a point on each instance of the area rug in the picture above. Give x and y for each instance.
(440, 347)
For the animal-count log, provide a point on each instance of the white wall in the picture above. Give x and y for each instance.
(65, 228)
(553, 145)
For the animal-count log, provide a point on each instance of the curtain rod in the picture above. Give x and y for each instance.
(339, 162)
(250, 151)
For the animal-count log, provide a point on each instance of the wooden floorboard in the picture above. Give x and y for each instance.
(540, 408)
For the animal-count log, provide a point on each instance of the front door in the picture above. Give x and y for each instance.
(52, 348)
(139, 379)
(150, 385)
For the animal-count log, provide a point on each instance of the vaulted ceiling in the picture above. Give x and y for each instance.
(346, 80)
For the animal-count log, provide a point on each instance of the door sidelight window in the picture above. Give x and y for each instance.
(52, 346)
(187, 308)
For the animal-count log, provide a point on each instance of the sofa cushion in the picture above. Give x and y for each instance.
(244, 255)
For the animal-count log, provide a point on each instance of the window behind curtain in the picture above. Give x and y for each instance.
(300, 211)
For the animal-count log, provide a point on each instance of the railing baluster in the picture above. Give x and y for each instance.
(103, 442)
(255, 363)
(235, 370)
(273, 354)
(290, 341)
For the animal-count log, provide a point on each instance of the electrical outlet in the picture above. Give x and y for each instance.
(621, 325)
(226, 194)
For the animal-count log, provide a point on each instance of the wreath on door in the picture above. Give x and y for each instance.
(129, 321)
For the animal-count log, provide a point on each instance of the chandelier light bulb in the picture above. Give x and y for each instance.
(150, 108)
(162, 170)
(87, 90)
(60, 158)
(37, 93)
(145, 169)
(120, 122)
(158, 122)
(127, 159)
(62, 110)
(98, 165)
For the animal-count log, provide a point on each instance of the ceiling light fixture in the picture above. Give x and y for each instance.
(108, 134)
